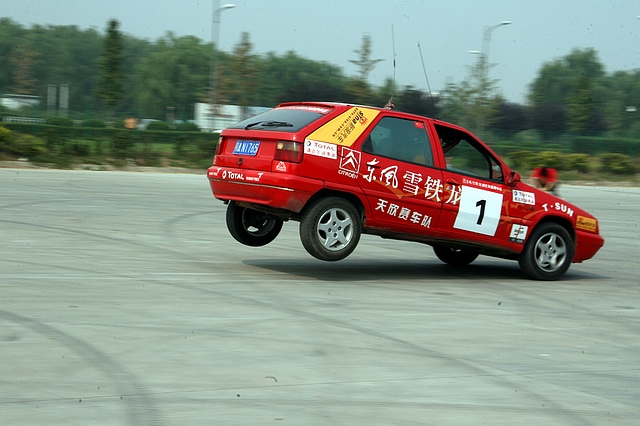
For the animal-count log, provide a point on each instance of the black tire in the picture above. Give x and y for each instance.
(330, 229)
(455, 257)
(251, 227)
(547, 253)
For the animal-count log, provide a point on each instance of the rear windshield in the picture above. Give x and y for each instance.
(284, 119)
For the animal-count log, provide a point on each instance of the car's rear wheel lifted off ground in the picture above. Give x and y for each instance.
(251, 227)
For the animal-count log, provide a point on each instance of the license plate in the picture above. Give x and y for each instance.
(246, 147)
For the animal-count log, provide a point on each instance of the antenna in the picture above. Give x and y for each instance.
(435, 110)
(390, 104)
(393, 42)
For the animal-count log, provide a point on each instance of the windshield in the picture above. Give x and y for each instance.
(288, 118)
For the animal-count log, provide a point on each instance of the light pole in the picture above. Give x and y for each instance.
(481, 73)
(213, 66)
(486, 38)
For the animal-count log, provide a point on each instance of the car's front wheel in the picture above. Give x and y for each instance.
(330, 229)
(251, 227)
(455, 257)
(548, 252)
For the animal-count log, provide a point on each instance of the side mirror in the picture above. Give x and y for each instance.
(514, 177)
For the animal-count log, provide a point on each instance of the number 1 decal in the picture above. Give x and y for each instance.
(482, 204)
(479, 211)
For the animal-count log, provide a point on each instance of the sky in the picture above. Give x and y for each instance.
(541, 31)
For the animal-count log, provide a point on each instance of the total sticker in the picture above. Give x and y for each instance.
(321, 149)
(524, 197)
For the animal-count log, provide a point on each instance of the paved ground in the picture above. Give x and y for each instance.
(124, 301)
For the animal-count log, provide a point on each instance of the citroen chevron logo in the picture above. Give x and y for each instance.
(350, 160)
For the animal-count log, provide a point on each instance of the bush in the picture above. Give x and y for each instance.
(549, 159)
(527, 160)
(207, 147)
(158, 126)
(521, 160)
(60, 121)
(77, 149)
(598, 145)
(28, 146)
(618, 164)
(148, 156)
(20, 144)
(528, 139)
(6, 139)
(187, 127)
(123, 142)
(577, 162)
(180, 146)
(54, 138)
(94, 123)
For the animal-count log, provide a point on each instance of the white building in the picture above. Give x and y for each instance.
(19, 101)
(226, 115)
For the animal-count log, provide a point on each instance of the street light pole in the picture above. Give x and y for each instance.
(213, 66)
(486, 38)
(481, 72)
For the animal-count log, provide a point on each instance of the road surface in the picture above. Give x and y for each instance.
(125, 301)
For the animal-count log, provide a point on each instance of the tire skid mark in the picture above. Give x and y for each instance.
(139, 408)
(476, 369)
(92, 235)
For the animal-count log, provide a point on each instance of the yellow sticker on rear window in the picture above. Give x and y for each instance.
(345, 128)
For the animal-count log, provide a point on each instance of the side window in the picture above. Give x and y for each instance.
(400, 139)
(464, 155)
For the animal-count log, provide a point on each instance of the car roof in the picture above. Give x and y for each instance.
(342, 106)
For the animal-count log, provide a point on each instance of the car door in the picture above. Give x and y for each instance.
(398, 177)
(479, 205)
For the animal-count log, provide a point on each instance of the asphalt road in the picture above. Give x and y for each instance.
(124, 301)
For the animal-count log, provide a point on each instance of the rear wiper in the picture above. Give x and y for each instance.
(269, 124)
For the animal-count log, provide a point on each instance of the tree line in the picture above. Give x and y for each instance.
(121, 75)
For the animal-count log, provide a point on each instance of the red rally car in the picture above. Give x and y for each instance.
(342, 170)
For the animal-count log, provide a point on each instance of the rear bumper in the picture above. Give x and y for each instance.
(587, 245)
(276, 190)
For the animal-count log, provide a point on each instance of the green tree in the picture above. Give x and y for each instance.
(456, 105)
(72, 58)
(580, 105)
(110, 86)
(483, 94)
(359, 87)
(621, 109)
(417, 102)
(567, 88)
(175, 74)
(364, 62)
(292, 78)
(24, 60)
(244, 69)
(473, 102)
(557, 79)
(510, 118)
(10, 36)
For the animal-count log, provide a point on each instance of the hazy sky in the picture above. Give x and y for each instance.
(330, 30)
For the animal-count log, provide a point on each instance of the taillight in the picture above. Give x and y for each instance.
(219, 146)
(289, 151)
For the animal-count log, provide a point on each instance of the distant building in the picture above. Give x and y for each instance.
(14, 102)
(225, 116)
